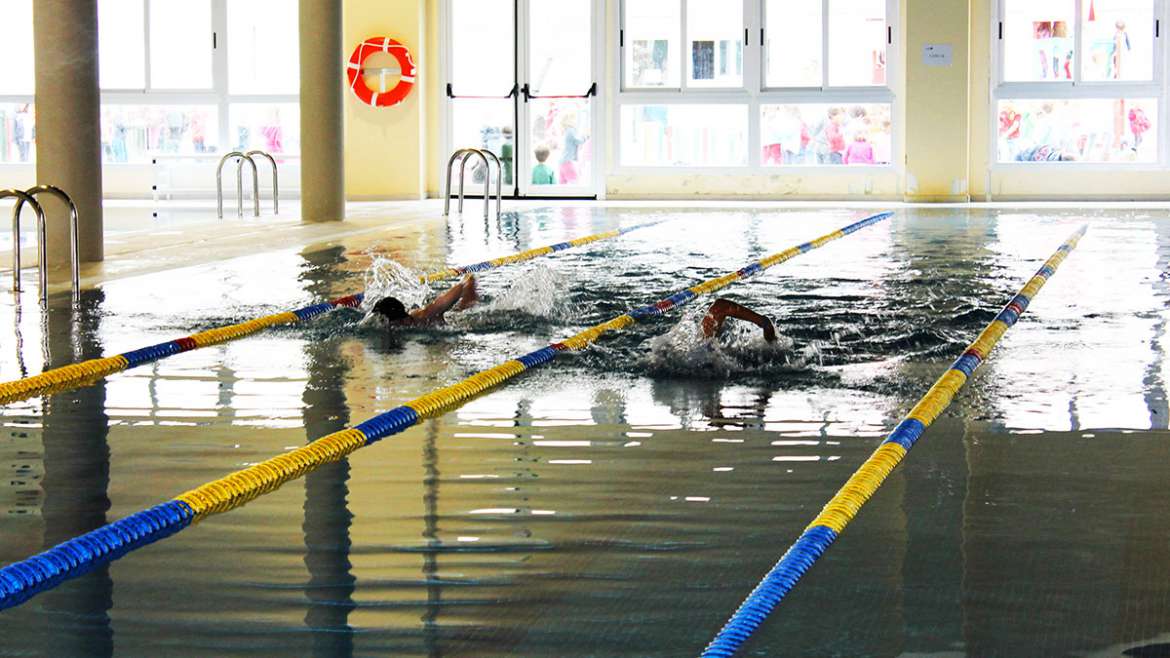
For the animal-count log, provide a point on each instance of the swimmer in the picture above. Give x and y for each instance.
(460, 296)
(725, 308)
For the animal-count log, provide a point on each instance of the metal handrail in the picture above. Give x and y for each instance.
(74, 249)
(239, 183)
(275, 179)
(461, 155)
(42, 256)
(499, 181)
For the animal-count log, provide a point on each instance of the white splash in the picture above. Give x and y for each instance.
(538, 291)
(740, 347)
(385, 278)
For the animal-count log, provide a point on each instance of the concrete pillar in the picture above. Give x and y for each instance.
(322, 123)
(937, 108)
(68, 115)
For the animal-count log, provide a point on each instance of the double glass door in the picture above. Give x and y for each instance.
(522, 83)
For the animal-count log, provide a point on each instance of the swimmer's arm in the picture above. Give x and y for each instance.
(434, 311)
(725, 308)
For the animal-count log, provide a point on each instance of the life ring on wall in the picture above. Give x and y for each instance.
(358, 84)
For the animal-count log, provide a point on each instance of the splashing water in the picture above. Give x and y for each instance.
(739, 348)
(385, 278)
(539, 292)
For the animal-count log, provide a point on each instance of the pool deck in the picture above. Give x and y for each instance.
(145, 236)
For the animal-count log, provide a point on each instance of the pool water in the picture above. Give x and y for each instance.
(622, 501)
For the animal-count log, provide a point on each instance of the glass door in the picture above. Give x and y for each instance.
(482, 87)
(530, 100)
(557, 101)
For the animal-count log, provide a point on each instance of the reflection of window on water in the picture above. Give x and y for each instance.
(1081, 130)
(804, 135)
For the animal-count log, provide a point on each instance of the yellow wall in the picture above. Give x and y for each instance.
(942, 114)
(386, 148)
(936, 125)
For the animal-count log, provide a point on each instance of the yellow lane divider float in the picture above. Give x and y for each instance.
(22, 580)
(87, 372)
(841, 509)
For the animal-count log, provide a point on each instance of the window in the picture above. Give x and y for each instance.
(131, 133)
(651, 53)
(122, 44)
(264, 48)
(794, 47)
(161, 90)
(715, 36)
(1078, 82)
(17, 132)
(16, 50)
(183, 57)
(826, 134)
(1095, 130)
(812, 91)
(172, 84)
(684, 135)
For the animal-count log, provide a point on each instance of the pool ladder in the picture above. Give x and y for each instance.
(29, 196)
(241, 158)
(462, 156)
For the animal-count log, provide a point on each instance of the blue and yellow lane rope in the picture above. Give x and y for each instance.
(858, 489)
(23, 580)
(87, 372)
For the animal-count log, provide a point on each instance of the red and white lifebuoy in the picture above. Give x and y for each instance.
(358, 84)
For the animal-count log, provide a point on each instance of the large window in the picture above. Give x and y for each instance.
(1079, 81)
(761, 83)
(197, 78)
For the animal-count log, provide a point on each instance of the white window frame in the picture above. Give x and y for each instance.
(754, 93)
(1077, 88)
(217, 95)
(522, 75)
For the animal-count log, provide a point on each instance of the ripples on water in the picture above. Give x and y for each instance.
(624, 500)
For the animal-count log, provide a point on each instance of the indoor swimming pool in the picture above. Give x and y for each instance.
(622, 500)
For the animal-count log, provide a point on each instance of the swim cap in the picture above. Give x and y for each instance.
(391, 309)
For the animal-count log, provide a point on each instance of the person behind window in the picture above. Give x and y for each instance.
(22, 132)
(828, 141)
(1139, 124)
(542, 174)
(506, 153)
(1120, 44)
(569, 152)
(860, 151)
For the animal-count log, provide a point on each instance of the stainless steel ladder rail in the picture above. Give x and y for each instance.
(239, 183)
(275, 179)
(74, 249)
(461, 156)
(499, 181)
(42, 256)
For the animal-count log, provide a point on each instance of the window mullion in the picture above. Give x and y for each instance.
(146, 87)
(1078, 41)
(683, 46)
(219, 71)
(824, 44)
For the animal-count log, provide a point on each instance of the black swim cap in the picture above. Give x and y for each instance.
(391, 309)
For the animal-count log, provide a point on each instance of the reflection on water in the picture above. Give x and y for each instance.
(623, 500)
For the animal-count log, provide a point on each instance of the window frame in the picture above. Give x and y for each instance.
(217, 95)
(1078, 89)
(754, 94)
